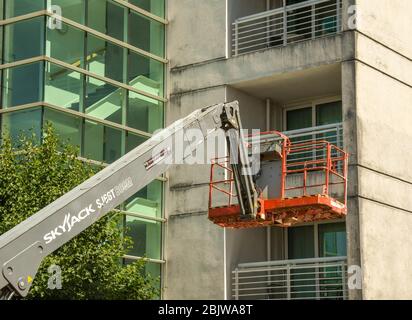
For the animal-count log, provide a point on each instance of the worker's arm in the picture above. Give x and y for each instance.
(23, 248)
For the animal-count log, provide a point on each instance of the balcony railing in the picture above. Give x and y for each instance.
(279, 27)
(332, 133)
(305, 279)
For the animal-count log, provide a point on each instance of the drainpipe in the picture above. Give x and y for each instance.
(268, 229)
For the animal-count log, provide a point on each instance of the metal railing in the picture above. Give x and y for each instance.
(332, 133)
(289, 24)
(304, 279)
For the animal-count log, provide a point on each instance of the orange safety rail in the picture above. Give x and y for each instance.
(310, 201)
(224, 165)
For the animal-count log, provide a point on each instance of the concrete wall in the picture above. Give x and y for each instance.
(252, 110)
(378, 112)
(384, 105)
(196, 32)
(257, 65)
(193, 246)
(388, 22)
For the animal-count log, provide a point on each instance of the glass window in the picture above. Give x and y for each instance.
(145, 74)
(105, 59)
(66, 44)
(146, 237)
(23, 40)
(23, 84)
(102, 143)
(19, 7)
(148, 201)
(133, 140)
(144, 113)
(67, 127)
(156, 7)
(299, 119)
(71, 9)
(106, 17)
(332, 240)
(26, 122)
(153, 270)
(146, 34)
(329, 113)
(104, 101)
(62, 87)
(301, 243)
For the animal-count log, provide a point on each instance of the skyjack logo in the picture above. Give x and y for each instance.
(68, 224)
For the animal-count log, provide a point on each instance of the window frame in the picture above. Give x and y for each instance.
(315, 235)
(306, 104)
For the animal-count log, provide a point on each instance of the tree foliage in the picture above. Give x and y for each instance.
(32, 176)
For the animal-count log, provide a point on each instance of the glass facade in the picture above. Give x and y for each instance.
(99, 78)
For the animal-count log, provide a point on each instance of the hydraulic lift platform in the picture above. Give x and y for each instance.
(300, 182)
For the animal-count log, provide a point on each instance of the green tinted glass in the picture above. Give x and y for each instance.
(63, 87)
(299, 119)
(146, 236)
(145, 74)
(68, 127)
(301, 243)
(156, 7)
(144, 113)
(332, 240)
(146, 34)
(66, 44)
(23, 84)
(71, 9)
(107, 18)
(329, 113)
(15, 8)
(102, 143)
(104, 58)
(24, 39)
(147, 201)
(104, 101)
(26, 123)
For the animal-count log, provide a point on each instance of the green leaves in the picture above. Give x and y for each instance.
(31, 177)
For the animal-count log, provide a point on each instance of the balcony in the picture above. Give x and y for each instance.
(304, 279)
(289, 24)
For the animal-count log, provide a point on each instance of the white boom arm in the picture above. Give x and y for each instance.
(23, 248)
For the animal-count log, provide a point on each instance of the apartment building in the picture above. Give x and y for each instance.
(340, 69)
(97, 74)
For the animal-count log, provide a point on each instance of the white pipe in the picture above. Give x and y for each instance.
(268, 229)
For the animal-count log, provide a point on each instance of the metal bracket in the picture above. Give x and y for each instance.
(19, 272)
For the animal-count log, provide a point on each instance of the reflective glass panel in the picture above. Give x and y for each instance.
(144, 113)
(23, 39)
(102, 143)
(63, 87)
(68, 127)
(23, 84)
(104, 101)
(146, 34)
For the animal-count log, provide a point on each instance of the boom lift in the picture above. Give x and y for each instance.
(246, 199)
(24, 247)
